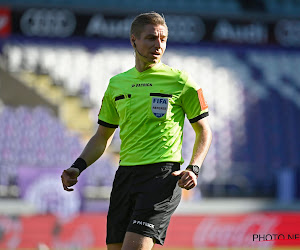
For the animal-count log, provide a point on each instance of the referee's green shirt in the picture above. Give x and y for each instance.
(150, 108)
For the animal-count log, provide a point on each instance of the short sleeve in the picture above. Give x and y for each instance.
(193, 101)
(108, 115)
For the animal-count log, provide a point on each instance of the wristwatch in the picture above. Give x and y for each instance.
(194, 168)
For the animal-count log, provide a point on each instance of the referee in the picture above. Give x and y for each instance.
(149, 103)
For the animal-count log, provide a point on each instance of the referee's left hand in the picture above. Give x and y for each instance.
(188, 179)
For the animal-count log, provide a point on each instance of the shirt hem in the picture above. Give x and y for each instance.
(126, 164)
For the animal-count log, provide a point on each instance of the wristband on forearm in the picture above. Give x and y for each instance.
(80, 164)
(194, 168)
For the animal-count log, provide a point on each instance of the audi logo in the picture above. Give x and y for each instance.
(190, 29)
(287, 32)
(48, 23)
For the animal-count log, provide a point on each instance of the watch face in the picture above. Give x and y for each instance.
(196, 169)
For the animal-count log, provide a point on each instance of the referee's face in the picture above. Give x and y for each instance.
(151, 44)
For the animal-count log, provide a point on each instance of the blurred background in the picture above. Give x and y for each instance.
(56, 58)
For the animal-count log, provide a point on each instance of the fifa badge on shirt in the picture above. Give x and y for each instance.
(159, 106)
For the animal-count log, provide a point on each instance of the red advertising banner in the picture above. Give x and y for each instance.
(256, 230)
(5, 22)
(251, 231)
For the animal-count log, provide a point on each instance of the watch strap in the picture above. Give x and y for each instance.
(194, 168)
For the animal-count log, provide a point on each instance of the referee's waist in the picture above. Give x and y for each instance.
(158, 164)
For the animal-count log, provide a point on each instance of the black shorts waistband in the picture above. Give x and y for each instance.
(158, 164)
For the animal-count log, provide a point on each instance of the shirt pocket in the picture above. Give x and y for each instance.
(159, 106)
(123, 105)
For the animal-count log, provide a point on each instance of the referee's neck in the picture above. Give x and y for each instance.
(142, 65)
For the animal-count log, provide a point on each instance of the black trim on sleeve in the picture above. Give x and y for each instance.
(120, 97)
(108, 125)
(160, 94)
(199, 117)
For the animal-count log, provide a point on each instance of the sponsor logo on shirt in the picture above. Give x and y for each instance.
(141, 85)
(143, 223)
(159, 106)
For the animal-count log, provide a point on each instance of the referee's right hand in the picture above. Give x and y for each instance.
(69, 178)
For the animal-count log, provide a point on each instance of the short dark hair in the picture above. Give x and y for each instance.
(143, 19)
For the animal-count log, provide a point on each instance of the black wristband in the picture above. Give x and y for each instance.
(80, 164)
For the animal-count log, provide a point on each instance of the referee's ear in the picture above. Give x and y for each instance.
(132, 40)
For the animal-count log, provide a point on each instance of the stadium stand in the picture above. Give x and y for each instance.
(34, 138)
(241, 85)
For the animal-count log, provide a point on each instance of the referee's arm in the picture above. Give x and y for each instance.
(188, 179)
(97, 144)
(202, 141)
(92, 151)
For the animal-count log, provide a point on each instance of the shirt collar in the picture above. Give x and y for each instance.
(152, 69)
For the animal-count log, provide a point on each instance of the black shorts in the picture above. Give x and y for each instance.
(142, 201)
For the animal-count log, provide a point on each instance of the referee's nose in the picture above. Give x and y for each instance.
(158, 43)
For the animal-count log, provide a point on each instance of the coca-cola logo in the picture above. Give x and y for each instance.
(220, 232)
